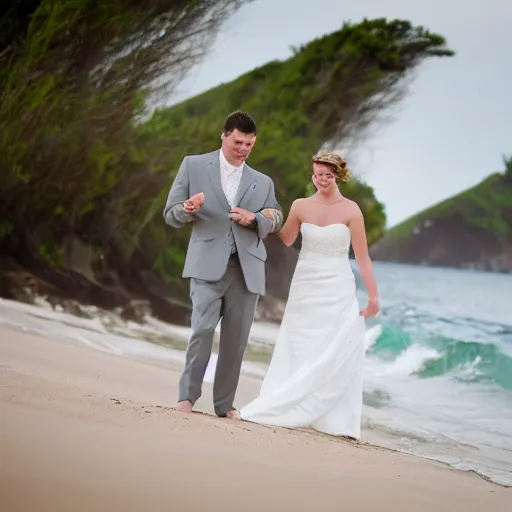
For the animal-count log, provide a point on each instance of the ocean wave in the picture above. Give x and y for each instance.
(431, 354)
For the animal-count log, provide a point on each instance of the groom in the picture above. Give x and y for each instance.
(231, 207)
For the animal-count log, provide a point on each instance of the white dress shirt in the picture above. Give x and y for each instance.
(230, 177)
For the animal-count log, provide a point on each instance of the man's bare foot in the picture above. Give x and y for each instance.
(233, 415)
(184, 406)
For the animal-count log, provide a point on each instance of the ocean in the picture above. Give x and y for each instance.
(438, 368)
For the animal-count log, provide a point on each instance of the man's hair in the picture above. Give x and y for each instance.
(240, 121)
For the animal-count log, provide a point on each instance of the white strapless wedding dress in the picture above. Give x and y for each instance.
(315, 376)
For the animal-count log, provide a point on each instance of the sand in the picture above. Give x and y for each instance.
(84, 430)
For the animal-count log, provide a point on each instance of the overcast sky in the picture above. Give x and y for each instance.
(451, 130)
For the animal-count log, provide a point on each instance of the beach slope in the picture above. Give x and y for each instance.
(85, 430)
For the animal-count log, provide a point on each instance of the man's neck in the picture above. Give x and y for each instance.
(234, 164)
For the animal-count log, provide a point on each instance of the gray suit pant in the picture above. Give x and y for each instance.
(229, 299)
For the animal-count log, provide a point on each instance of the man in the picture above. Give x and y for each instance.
(232, 208)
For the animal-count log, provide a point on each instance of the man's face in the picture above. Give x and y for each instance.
(237, 146)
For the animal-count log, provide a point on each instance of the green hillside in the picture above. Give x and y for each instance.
(472, 229)
(85, 182)
(329, 90)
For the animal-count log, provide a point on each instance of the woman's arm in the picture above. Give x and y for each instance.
(360, 246)
(290, 231)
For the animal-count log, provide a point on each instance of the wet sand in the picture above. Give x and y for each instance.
(83, 430)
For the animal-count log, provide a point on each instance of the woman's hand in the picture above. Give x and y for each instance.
(371, 309)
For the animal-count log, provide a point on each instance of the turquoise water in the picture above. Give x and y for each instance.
(486, 360)
(438, 380)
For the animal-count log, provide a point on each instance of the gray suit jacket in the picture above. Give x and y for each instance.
(213, 232)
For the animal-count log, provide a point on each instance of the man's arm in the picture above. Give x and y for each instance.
(270, 218)
(174, 211)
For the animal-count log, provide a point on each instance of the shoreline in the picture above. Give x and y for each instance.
(89, 429)
(105, 333)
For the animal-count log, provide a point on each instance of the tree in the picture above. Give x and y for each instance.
(75, 75)
(508, 164)
(78, 159)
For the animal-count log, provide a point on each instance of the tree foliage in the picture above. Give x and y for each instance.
(507, 161)
(76, 159)
(74, 78)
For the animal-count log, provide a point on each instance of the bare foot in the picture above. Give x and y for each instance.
(233, 415)
(184, 406)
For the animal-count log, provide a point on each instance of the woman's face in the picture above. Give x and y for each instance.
(324, 178)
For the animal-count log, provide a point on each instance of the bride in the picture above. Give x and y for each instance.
(315, 375)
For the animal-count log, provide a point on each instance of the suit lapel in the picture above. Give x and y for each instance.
(214, 173)
(248, 179)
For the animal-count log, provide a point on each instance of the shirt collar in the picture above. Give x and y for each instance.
(229, 167)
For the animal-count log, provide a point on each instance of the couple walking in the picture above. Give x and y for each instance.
(315, 375)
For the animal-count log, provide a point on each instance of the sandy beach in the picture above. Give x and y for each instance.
(84, 430)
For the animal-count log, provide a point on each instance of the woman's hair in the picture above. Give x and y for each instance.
(336, 163)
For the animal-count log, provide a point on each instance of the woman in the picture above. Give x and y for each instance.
(315, 376)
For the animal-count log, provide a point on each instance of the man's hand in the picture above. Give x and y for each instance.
(371, 309)
(193, 204)
(241, 216)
